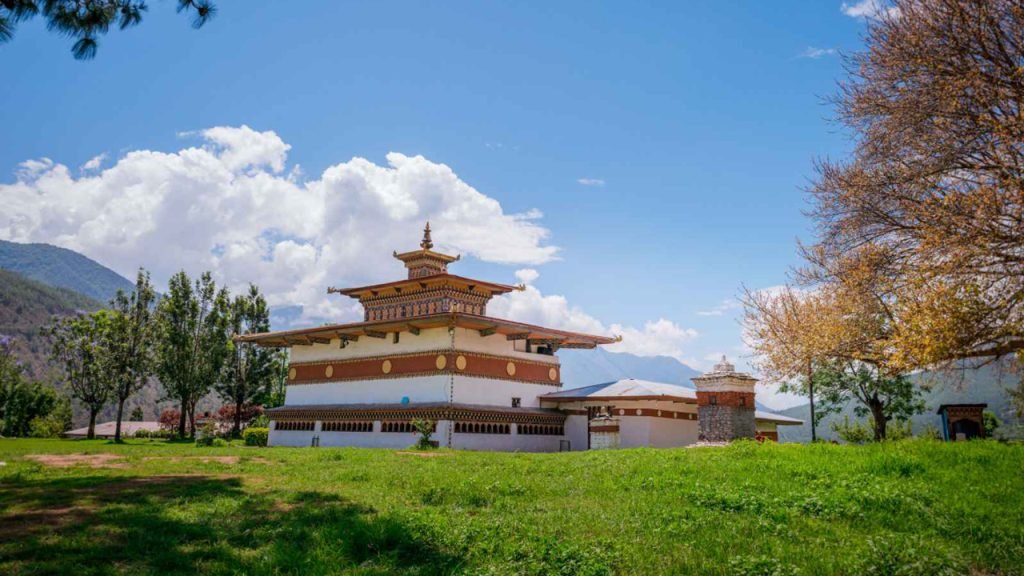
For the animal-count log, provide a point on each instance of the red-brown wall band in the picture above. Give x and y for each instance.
(426, 363)
(726, 399)
(671, 415)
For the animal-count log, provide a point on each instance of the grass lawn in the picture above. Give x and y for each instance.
(152, 507)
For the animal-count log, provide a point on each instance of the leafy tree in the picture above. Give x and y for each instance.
(54, 424)
(249, 369)
(137, 415)
(21, 401)
(80, 349)
(228, 415)
(130, 342)
(991, 422)
(934, 184)
(193, 341)
(85, 20)
(169, 419)
(884, 398)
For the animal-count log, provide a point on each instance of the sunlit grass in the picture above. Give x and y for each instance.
(900, 508)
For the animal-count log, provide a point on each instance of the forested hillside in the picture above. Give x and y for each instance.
(26, 306)
(62, 268)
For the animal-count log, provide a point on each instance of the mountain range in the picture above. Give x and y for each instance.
(62, 268)
(39, 281)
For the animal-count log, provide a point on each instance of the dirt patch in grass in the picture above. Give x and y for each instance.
(203, 459)
(103, 460)
(425, 454)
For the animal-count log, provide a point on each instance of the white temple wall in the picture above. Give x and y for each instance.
(666, 433)
(378, 391)
(476, 390)
(496, 344)
(766, 426)
(427, 340)
(577, 431)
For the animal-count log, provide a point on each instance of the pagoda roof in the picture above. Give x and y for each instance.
(425, 253)
(424, 283)
(379, 329)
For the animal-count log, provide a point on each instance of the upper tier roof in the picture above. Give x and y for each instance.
(379, 329)
(425, 283)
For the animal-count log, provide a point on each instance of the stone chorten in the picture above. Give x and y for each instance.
(725, 404)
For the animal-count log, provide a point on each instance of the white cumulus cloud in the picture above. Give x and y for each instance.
(230, 205)
(655, 338)
(591, 181)
(872, 9)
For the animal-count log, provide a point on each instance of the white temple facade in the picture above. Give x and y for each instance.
(427, 350)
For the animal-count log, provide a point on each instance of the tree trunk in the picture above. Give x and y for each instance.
(878, 415)
(810, 387)
(92, 423)
(238, 420)
(181, 419)
(120, 414)
(192, 419)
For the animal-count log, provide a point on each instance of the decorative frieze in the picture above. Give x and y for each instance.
(424, 364)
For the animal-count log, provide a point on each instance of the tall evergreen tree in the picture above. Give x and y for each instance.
(80, 348)
(193, 341)
(86, 20)
(130, 342)
(249, 368)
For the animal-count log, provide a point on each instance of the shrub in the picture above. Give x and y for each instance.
(255, 436)
(142, 434)
(219, 443)
(261, 421)
(52, 425)
(931, 432)
(206, 434)
(424, 428)
(992, 423)
(853, 432)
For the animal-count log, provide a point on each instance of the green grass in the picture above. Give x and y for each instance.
(900, 508)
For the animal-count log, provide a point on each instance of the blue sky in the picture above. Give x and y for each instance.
(666, 144)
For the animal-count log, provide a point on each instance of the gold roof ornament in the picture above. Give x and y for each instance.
(427, 243)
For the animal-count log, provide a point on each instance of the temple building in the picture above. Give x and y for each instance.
(426, 349)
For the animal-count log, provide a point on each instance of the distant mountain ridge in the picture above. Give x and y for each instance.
(62, 268)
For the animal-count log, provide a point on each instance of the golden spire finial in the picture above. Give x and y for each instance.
(426, 244)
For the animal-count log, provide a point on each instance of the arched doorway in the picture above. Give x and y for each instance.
(969, 428)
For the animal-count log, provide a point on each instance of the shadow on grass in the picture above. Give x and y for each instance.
(200, 524)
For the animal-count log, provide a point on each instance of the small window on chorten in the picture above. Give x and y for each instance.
(713, 400)
(516, 402)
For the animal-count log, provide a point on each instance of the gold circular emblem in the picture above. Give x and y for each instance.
(291, 374)
(460, 362)
(441, 361)
(552, 374)
(385, 367)
(510, 368)
(329, 371)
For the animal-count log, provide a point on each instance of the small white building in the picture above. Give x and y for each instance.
(644, 413)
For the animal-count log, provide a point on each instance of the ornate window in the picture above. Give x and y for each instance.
(289, 426)
(541, 430)
(350, 426)
(482, 428)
